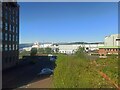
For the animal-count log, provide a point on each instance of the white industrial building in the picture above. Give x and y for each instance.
(92, 46)
(112, 40)
(68, 49)
(71, 49)
(46, 45)
(111, 45)
(37, 45)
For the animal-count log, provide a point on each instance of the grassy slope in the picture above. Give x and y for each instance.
(78, 72)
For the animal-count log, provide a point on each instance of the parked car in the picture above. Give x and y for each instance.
(52, 58)
(46, 71)
(50, 55)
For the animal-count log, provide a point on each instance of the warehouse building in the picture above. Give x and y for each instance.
(71, 49)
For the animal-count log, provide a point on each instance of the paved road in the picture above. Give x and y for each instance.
(24, 74)
(42, 82)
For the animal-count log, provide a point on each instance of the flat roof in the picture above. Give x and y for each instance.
(109, 47)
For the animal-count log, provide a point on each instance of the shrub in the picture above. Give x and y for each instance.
(33, 51)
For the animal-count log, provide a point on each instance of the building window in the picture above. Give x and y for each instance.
(10, 17)
(10, 14)
(13, 29)
(10, 37)
(16, 47)
(1, 47)
(117, 39)
(13, 11)
(13, 47)
(10, 47)
(3, 36)
(10, 27)
(6, 13)
(13, 18)
(0, 11)
(6, 26)
(16, 38)
(0, 35)
(102, 54)
(6, 47)
(13, 14)
(6, 36)
(13, 37)
(0, 24)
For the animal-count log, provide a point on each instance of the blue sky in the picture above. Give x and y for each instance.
(67, 22)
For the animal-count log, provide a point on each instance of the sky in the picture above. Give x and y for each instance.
(67, 21)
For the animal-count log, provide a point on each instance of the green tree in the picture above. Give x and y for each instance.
(33, 51)
(57, 50)
(81, 52)
(48, 50)
(41, 50)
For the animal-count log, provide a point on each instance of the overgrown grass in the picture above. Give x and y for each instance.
(110, 67)
(24, 53)
(77, 71)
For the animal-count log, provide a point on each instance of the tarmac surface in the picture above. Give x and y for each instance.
(25, 75)
(40, 82)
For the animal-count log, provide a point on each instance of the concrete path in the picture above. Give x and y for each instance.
(44, 83)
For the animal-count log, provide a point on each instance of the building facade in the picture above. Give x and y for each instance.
(111, 45)
(10, 34)
(71, 49)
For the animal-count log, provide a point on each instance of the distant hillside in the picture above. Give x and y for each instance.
(25, 45)
(79, 43)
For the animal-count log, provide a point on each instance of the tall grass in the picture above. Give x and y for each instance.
(76, 71)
